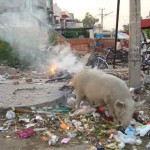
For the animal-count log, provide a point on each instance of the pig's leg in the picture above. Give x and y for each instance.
(79, 97)
(112, 113)
(108, 101)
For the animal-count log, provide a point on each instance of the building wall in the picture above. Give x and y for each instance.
(80, 45)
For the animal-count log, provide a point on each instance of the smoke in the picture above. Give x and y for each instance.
(5, 5)
(65, 59)
(26, 29)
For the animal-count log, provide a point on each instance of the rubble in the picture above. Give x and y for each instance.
(9, 70)
(29, 80)
(15, 82)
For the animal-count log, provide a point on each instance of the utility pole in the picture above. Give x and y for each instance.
(116, 32)
(102, 17)
(134, 44)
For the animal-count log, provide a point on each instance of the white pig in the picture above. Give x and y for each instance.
(101, 89)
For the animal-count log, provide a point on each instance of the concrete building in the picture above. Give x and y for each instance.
(43, 9)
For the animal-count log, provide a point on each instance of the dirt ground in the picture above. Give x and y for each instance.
(25, 94)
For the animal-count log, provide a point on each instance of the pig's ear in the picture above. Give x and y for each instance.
(119, 104)
(138, 104)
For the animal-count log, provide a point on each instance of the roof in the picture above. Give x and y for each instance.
(81, 28)
(145, 23)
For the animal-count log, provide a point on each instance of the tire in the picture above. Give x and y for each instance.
(101, 63)
(109, 58)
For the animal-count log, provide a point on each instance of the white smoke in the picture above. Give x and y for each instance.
(27, 33)
(66, 59)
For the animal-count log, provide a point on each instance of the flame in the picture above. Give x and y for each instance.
(53, 69)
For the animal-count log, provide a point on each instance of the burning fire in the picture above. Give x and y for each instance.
(53, 69)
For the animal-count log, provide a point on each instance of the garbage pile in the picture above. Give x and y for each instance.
(64, 124)
(57, 76)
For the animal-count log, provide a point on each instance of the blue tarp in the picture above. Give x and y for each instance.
(98, 36)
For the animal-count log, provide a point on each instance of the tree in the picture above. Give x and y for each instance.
(89, 20)
(148, 33)
(71, 34)
(10, 57)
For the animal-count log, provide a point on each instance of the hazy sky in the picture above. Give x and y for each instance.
(80, 7)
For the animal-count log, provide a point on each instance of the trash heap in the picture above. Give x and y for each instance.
(65, 125)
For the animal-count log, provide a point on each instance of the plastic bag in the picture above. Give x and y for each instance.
(122, 138)
(143, 130)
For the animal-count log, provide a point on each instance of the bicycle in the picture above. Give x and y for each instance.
(121, 57)
(145, 57)
(95, 60)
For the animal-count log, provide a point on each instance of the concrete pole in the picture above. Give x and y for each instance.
(102, 16)
(134, 43)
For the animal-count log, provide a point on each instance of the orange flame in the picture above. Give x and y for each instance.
(53, 69)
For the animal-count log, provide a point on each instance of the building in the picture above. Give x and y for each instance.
(42, 9)
(145, 23)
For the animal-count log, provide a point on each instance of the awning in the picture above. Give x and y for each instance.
(122, 35)
(98, 36)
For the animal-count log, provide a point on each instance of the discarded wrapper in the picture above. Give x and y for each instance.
(65, 140)
(25, 133)
(7, 127)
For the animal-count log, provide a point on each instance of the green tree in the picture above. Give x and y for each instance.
(71, 34)
(84, 33)
(10, 57)
(148, 33)
(89, 20)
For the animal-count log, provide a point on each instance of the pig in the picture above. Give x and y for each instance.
(102, 89)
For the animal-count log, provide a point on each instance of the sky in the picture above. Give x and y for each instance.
(80, 7)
